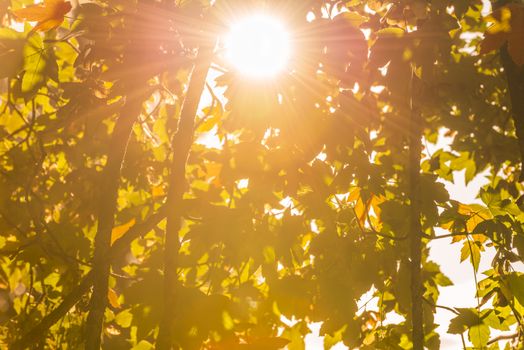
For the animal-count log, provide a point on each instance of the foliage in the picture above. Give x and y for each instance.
(301, 209)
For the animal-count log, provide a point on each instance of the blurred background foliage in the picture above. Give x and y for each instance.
(299, 204)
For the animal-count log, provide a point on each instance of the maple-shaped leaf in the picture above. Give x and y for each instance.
(49, 14)
(508, 28)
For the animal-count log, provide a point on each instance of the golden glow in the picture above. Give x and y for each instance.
(258, 46)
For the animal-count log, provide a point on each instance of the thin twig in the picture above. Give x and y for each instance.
(503, 337)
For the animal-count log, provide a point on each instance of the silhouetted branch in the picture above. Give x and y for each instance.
(450, 309)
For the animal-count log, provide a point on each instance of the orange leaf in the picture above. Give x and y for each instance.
(354, 194)
(33, 13)
(157, 191)
(49, 15)
(363, 209)
(119, 231)
(113, 298)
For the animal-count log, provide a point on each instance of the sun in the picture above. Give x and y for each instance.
(258, 46)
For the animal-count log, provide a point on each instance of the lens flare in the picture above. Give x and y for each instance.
(258, 46)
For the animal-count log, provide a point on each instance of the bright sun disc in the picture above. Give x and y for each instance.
(258, 46)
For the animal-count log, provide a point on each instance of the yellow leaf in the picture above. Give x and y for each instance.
(458, 238)
(362, 210)
(476, 213)
(213, 171)
(113, 298)
(119, 231)
(479, 238)
(447, 225)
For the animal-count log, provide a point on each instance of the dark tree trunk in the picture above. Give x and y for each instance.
(182, 141)
(415, 229)
(110, 181)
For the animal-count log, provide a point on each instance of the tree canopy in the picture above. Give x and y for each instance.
(153, 197)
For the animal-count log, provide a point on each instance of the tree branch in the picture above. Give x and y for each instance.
(503, 337)
(443, 307)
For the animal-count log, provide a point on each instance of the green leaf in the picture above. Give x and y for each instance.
(465, 320)
(471, 250)
(479, 336)
(295, 337)
(34, 63)
(518, 241)
(516, 285)
(465, 252)
(11, 52)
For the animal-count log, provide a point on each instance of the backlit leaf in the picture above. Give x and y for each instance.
(113, 298)
(49, 15)
(119, 231)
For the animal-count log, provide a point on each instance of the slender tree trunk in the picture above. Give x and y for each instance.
(415, 229)
(182, 141)
(107, 208)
